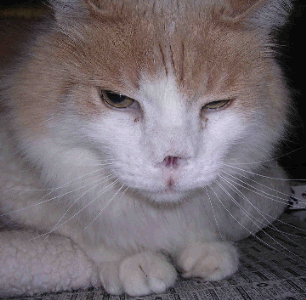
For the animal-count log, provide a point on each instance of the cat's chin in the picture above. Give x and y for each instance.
(167, 196)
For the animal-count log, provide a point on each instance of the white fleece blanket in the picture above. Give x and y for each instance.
(36, 265)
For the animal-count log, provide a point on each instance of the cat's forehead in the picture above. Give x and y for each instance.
(161, 97)
(199, 56)
(202, 53)
(161, 90)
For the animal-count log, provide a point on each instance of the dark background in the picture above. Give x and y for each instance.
(8, 3)
(292, 57)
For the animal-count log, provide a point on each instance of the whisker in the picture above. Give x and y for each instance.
(105, 206)
(280, 221)
(214, 214)
(67, 183)
(83, 208)
(252, 218)
(263, 214)
(248, 178)
(108, 162)
(272, 159)
(69, 208)
(4, 224)
(59, 187)
(261, 240)
(260, 193)
(51, 199)
(260, 175)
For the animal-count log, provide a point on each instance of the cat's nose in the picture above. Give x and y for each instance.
(172, 162)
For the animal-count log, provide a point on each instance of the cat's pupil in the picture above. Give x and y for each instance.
(115, 98)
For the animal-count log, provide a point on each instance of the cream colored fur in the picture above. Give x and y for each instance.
(94, 195)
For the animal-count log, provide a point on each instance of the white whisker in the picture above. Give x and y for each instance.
(105, 206)
(74, 202)
(270, 160)
(257, 191)
(250, 179)
(214, 214)
(82, 209)
(51, 199)
(263, 214)
(260, 175)
(258, 238)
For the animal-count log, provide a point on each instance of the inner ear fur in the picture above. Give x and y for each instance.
(241, 9)
(94, 5)
(266, 14)
(104, 8)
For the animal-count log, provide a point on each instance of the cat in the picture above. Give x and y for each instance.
(138, 142)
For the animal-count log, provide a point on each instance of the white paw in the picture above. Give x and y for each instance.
(145, 273)
(109, 275)
(211, 261)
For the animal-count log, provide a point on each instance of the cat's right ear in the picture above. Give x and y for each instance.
(264, 14)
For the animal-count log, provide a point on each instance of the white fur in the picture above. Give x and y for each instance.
(34, 266)
(212, 262)
(99, 205)
(146, 273)
(116, 223)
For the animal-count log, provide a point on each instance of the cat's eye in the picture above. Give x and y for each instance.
(216, 104)
(116, 100)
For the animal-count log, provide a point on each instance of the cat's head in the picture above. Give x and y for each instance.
(165, 94)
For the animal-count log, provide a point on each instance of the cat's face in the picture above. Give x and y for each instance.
(166, 145)
(199, 93)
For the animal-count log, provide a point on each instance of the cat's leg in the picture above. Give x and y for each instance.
(138, 274)
(210, 261)
(31, 264)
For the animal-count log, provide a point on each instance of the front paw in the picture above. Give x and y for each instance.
(145, 273)
(210, 261)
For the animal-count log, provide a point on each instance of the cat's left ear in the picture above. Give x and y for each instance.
(264, 14)
(67, 12)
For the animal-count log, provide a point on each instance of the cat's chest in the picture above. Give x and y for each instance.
(136, 225)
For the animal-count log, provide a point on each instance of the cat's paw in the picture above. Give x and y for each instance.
(210, 261)
(145, 273)
(109, 276)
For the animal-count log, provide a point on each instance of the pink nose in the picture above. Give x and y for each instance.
(172, 162)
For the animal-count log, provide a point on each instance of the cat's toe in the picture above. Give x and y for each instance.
(210, 261)
(109, 276)
(145, 273)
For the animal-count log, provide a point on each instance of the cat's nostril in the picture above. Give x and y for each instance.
(171, 161)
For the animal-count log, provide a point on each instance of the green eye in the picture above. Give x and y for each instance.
(216, 104)
(116, 100)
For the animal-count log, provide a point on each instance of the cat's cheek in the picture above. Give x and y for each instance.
(119, 132)
(118, 136)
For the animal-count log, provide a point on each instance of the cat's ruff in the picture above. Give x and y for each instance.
(137, 141)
